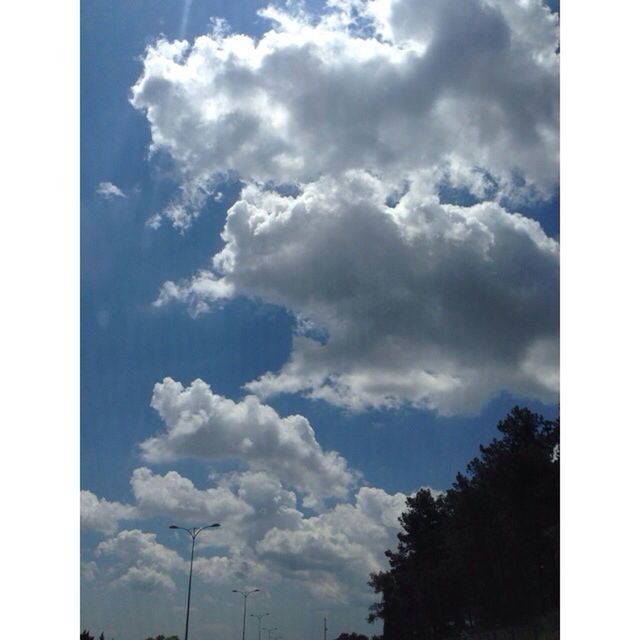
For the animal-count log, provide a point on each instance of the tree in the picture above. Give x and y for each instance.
(85, 635)
(415, 591)
(485, 553)
(351, 636)
(505, 523)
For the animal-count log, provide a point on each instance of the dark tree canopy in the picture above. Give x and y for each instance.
(486, 553)
(352, 636)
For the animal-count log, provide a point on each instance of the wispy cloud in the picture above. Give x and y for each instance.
(108, 191)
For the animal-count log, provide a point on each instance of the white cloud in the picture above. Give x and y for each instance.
(145, 579)
(237, 568)
(108, 191)
(201, 424)
(203, 288)
(471, 84)
(176, 495)
(102, 515)
(192, 196)
(89, 570)
(248, 504)
(266, 539)
(140, 561)
(271, 505)
(333, 554)
(436, 305)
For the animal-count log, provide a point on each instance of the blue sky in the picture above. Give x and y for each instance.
(295, 320)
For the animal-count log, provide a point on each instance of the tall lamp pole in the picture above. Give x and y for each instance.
(194, 534)
(259, 616)
(245, 594)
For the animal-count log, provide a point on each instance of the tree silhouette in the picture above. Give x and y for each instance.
(85, 635)
(485, 554)
(352, 636)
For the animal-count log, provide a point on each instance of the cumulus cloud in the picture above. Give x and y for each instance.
(248, 503)
(102, 515)
(333, 554)
(136, 560)
(108, 191)
(176, 495)
(88, 570)
(270, 505)
(140, 561)
(437, 305)
(384, 85)
(368, 110)
(264, 535)
(201, 424)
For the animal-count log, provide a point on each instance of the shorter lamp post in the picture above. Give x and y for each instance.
(245, 594)
(259, 616)
(270, 630)
(194, 534)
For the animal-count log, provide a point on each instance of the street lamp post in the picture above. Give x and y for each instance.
(259, 616)
(245, 594)
(194, 534)
(270, 630)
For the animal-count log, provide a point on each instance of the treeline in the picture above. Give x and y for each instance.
(485, 554)
(86, 635)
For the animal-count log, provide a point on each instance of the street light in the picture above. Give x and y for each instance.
(245, 594)
(270, 630)
(259, 616)
(194, 534)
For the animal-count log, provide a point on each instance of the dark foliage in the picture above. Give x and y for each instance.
(85, 635)
(351, 636)
(486, 553)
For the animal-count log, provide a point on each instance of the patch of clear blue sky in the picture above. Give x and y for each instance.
(128, 346)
